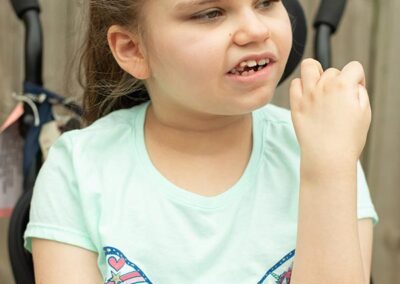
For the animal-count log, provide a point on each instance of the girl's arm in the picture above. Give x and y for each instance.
(328, 245)
(331, 116)
(56, 262)
(366, 232)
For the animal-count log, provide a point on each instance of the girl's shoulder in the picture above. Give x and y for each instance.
(110, 124)
(275, 114)
(117, 118)
(277, 129)
(105, 136)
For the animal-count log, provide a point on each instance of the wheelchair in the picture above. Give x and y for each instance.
(38, 111)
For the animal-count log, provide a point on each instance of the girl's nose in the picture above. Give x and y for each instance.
(251, 28)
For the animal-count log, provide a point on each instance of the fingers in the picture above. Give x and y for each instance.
(314, 82)
(328, 76)
(295, 91)
(353, 73)
(311, 71)
(363, 97)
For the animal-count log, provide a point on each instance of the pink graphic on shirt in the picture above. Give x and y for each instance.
(285, 277)
(117, 265)
(281, 272)
(121, 270)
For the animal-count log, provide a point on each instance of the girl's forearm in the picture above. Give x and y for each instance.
(328, 249)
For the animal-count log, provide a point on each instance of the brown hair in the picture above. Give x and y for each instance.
(107, 87)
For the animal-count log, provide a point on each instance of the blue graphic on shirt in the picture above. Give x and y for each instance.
(281, 272)
(121, 270)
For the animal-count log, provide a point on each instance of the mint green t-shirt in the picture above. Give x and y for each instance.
(99, 190)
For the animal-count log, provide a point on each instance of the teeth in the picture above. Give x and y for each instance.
(262, 62)
(251, 63)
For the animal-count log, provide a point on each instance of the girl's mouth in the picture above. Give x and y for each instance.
(252, 75)
(250, 67)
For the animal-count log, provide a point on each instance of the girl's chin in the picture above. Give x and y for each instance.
(247, 106)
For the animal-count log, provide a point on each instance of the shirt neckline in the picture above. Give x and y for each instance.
(172, 191)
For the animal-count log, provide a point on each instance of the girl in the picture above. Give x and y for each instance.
(196, 178)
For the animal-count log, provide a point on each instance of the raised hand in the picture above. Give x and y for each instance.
(331, 112)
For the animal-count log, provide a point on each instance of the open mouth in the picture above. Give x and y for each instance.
(247, 68)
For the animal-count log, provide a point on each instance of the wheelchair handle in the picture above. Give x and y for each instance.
(33, 47)
(28, 11)
(326, 23)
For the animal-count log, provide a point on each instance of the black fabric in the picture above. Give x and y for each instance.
(21, 6)
(299, 30)
(330, 13)
(21, 260)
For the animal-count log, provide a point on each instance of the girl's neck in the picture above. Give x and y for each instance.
(201, 135)
(205, 157)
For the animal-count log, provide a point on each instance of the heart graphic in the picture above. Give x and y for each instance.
(117, 265)
(126, 270)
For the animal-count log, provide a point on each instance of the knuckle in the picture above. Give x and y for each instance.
(332, 70)
(342, 84)
(330, 73)
(294, 81)
(334, 85)
(328, 87)
(356, 65)
(308, 62)
(314, 94)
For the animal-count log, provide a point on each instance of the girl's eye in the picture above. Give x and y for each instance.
(213, 15)
(267, 3)
(208, 15)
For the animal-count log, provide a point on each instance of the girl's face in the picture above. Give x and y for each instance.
(194, 46)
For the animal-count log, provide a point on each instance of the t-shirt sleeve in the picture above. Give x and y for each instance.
(365, 207)
(56, 212)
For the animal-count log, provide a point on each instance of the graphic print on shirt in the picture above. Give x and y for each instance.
(281, 272)
(121, 270)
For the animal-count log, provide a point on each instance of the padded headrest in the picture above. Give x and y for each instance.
(299, 29)
(21, 6)
(330, 13)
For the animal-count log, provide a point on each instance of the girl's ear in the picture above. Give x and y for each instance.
(127, 51)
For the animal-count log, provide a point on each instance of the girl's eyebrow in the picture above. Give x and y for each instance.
(185, 5)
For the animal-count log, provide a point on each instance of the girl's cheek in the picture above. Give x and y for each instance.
(285, 39)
